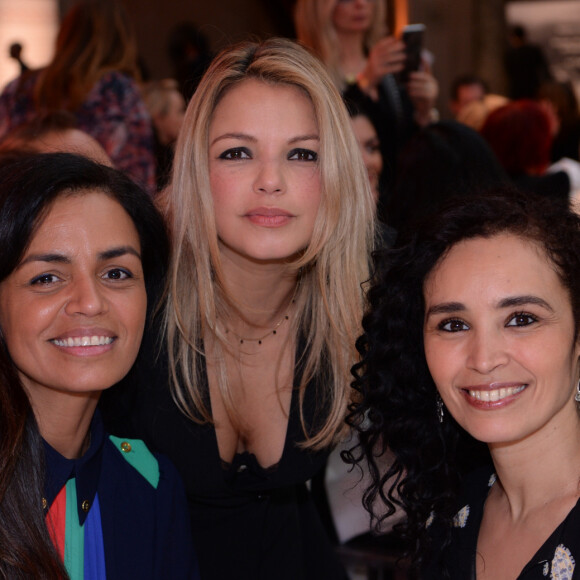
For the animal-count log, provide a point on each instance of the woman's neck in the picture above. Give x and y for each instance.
(543, 467)
(64, 420)
(262, 294)
(351, 53)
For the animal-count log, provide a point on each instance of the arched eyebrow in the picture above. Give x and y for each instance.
(252, 139)
(512, 301)
(56, 258)
(64, 259)
(117, 252)
(313, 137)
(240, 136)
(509, 302)
(445, 308)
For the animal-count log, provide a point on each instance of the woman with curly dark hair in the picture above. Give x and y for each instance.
(473, 337)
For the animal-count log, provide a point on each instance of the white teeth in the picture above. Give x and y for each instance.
(496, 394)
(83, 341)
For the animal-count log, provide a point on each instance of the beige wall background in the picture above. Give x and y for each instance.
(463, 35)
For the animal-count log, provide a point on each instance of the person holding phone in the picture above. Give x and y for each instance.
(350, 37)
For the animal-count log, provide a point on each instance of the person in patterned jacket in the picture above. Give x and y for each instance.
(93, 75)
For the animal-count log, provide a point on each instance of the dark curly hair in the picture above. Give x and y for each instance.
(396, 401)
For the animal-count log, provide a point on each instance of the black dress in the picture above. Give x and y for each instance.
(554, 186)
(554, 559)
(247, 522)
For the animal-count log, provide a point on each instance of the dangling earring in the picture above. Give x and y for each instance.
(441, 408)
(577, 395)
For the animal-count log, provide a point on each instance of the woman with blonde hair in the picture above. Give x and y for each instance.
(93, 74)
(316, 29)
(350, 37)
(272, 217)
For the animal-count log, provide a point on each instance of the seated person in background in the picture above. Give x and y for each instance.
(473, 338)
(52, 133)
(562, 98)
(521, 134)
(465, 89)
(370, 148)
(470, 101)
(166, 106)
(526, 65)
(83, 248)
(369, 145)
(440, 161)
(475, 113)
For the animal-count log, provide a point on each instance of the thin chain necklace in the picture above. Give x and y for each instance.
(272, 332)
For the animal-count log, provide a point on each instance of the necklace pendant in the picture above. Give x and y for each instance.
(274, 331)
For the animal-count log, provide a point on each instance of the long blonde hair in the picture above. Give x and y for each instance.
(315, 30)
(329, 298)
(95, 37)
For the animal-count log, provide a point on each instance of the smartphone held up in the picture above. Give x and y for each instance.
(413, 36)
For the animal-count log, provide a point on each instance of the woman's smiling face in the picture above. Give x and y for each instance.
(500, 339)
(72, 313)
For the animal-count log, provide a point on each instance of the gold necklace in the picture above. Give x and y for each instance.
(259, 340)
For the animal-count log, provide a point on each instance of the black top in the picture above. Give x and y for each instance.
(567, 142)
(163, 161)
(555, 186)
(555, 559)
(247, 522)
(527, 68)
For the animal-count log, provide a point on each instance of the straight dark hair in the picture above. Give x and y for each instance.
(29, 185)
